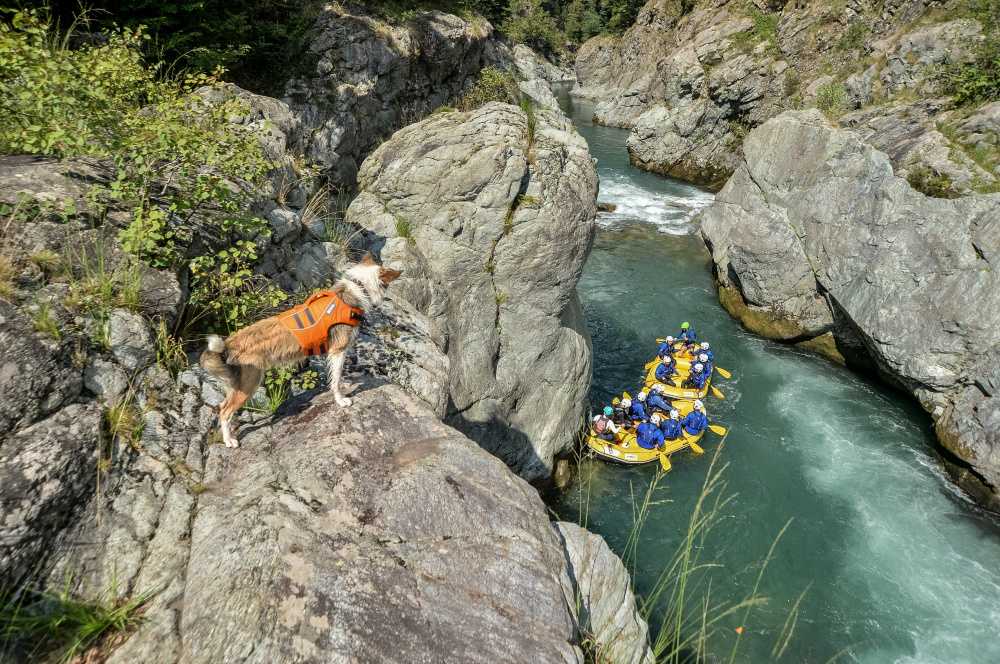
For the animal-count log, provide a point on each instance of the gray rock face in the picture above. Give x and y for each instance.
(603, 591)
(491, 224)
(371, 77)
(46, 473)
(105, 379)
(372, 534)
(130, 339)
(690, 81)
(815, 234)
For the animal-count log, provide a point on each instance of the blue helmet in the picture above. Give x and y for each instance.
(608, 411)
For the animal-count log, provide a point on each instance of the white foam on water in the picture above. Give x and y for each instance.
(911, 551)
(670, 213)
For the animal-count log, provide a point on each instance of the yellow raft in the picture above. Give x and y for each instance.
(673, 390)
(626, 450)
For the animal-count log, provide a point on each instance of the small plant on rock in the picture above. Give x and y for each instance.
(931, 183)
(169, 350)
(494, 84)
(44, 321)
(831, 98)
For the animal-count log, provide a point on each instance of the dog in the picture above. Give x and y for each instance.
(327, 322)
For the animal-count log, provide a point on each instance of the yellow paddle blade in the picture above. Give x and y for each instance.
(660, 340)
(723, 372)
(665, 462)
(650, 364)
(696, 448)
(719, 429)
(625, 395)
(718, 393)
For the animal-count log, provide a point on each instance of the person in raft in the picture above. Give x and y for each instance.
(707, 350)
(666, 348)
(655, 400)
(671, 427)
(697, 378)
(706, 362)
(696, 420)
(618, 412)
(687, 336)
(648, 434)
(638, 411)
(604, 427)
(666, 369)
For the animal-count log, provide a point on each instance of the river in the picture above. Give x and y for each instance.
(897, 565)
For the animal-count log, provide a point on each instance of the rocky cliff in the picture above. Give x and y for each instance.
(690, 79)
(491, 216)
(816, 239)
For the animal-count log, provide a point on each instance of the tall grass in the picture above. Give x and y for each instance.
(680, 600)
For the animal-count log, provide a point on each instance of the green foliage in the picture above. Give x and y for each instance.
(854, 37)
(529, 23)
(96, 286)
(123, 420)
(831, 98)
(977, 81)
(226, 294)
(278, 384)
(931, 183)
(8, 275)
(169, 351)
(493, 84)
(765, 29)
(43, 625)
(44, 321)
(581, 20)
(404, 229)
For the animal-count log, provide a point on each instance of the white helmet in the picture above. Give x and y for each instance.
(657, 388)
(698, 405)
(626, 403)
(699, 366)
(641, 396)
(674, 414)
(655, 418)
(669, 340)
(703, 357)
(704, 345)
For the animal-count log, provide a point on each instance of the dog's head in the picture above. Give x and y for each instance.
(385, 275)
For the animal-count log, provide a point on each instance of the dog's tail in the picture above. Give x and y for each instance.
(213, 360)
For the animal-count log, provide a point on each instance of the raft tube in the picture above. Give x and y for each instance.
(673, 390)
(625, 450)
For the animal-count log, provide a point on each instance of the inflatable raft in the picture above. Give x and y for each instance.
(624, 449)
(674, 390)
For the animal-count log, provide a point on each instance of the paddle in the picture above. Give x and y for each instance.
(718, 393)
(696, 448)
(719, 429)
(664, 459)
(651, 363)
(723, 372)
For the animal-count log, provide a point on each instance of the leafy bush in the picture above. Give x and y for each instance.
(529, 23)
(831, 98)
(931, 183)
(494, 84)
(977, 81)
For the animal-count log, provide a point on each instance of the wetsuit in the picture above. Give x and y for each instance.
(671, 429)
(648, 435)
(695, 422)
(638, 411)
(664, 371)
(696, 380)
(655, 402)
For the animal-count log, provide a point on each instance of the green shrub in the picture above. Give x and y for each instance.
(854, 37)
(529, 23)
(765, 29)
(977, 81)
(931, 183)
(831, 98)
(42, 625)
(493, 84)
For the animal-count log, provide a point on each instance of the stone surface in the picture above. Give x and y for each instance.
(603, 591)
(372, 534)
(690, 79)
(46, 472)
(105, 379)
(815, 232)
(491, 234)
(371, 77)
(130, 339)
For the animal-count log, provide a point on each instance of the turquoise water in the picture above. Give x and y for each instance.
(899, 566)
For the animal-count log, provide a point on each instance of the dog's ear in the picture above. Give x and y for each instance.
(387, 276)
(368, 259)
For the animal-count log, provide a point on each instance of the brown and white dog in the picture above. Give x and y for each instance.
(241, 360)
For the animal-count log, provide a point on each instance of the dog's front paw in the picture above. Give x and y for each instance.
(344, 402)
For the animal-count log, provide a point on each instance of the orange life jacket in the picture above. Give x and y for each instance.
(311, 321)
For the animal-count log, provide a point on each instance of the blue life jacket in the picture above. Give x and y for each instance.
(637, 411)
(654, 400)
(648, 436)
(695, 422)
(711, 355)
(697, 379)
(671, 429)
(664, 371)
(688, 335)
(665, 350)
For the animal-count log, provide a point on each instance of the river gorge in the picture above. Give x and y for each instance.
(897, 565)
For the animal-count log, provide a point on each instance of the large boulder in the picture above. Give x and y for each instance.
(815, 235)
(603, 593)
(369, 76)
(490, 214)
(375, 533)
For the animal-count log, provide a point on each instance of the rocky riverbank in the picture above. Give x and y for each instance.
(691, 79)
(817, 241)
(379, 533)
